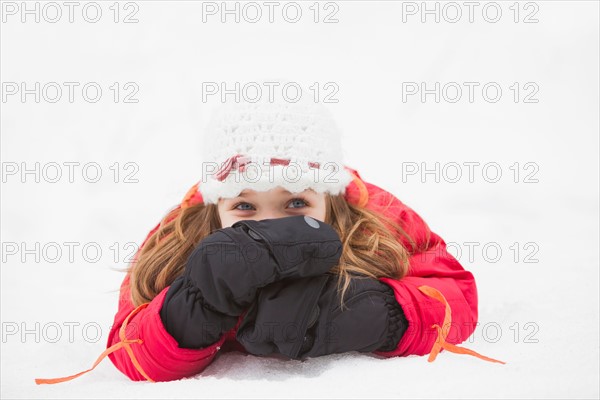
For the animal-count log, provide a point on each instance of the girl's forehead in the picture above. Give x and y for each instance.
(279, 191)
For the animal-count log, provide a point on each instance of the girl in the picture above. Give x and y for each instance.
(283, 249)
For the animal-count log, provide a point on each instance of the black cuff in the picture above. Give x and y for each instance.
(398, 324)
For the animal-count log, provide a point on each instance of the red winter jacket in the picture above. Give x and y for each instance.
(438, 297)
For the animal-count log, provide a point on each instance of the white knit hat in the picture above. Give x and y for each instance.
(263, 145)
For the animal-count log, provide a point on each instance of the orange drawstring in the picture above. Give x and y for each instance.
(441, 343)
(124, 343)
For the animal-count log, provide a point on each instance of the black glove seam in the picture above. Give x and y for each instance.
(337, 310)
(317, 290)
(199, 298)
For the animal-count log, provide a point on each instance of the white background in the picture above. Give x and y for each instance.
(368, 54)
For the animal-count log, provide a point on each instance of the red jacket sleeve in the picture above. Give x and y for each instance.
(440, 270)
(158, 354)
(431, 265)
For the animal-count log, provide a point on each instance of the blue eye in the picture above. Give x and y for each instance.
(243, 209)
(295, 201)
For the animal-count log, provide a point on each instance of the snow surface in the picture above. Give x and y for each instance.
(540, 317)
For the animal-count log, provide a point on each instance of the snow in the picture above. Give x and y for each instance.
(539, 317)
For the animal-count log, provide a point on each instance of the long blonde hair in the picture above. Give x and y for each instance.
(371, 246)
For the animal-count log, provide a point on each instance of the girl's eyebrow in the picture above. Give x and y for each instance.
(233, 199)
(244, 194)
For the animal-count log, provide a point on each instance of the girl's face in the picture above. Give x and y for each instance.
(275, 203)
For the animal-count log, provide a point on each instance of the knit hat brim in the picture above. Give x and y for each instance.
(261, 177)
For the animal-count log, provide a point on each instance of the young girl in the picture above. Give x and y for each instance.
(283, 249)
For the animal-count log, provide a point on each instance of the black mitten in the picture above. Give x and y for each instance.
(224, 272)
(302, 318)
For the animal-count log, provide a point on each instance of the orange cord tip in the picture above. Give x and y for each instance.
(124, 343)
(441, 342)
